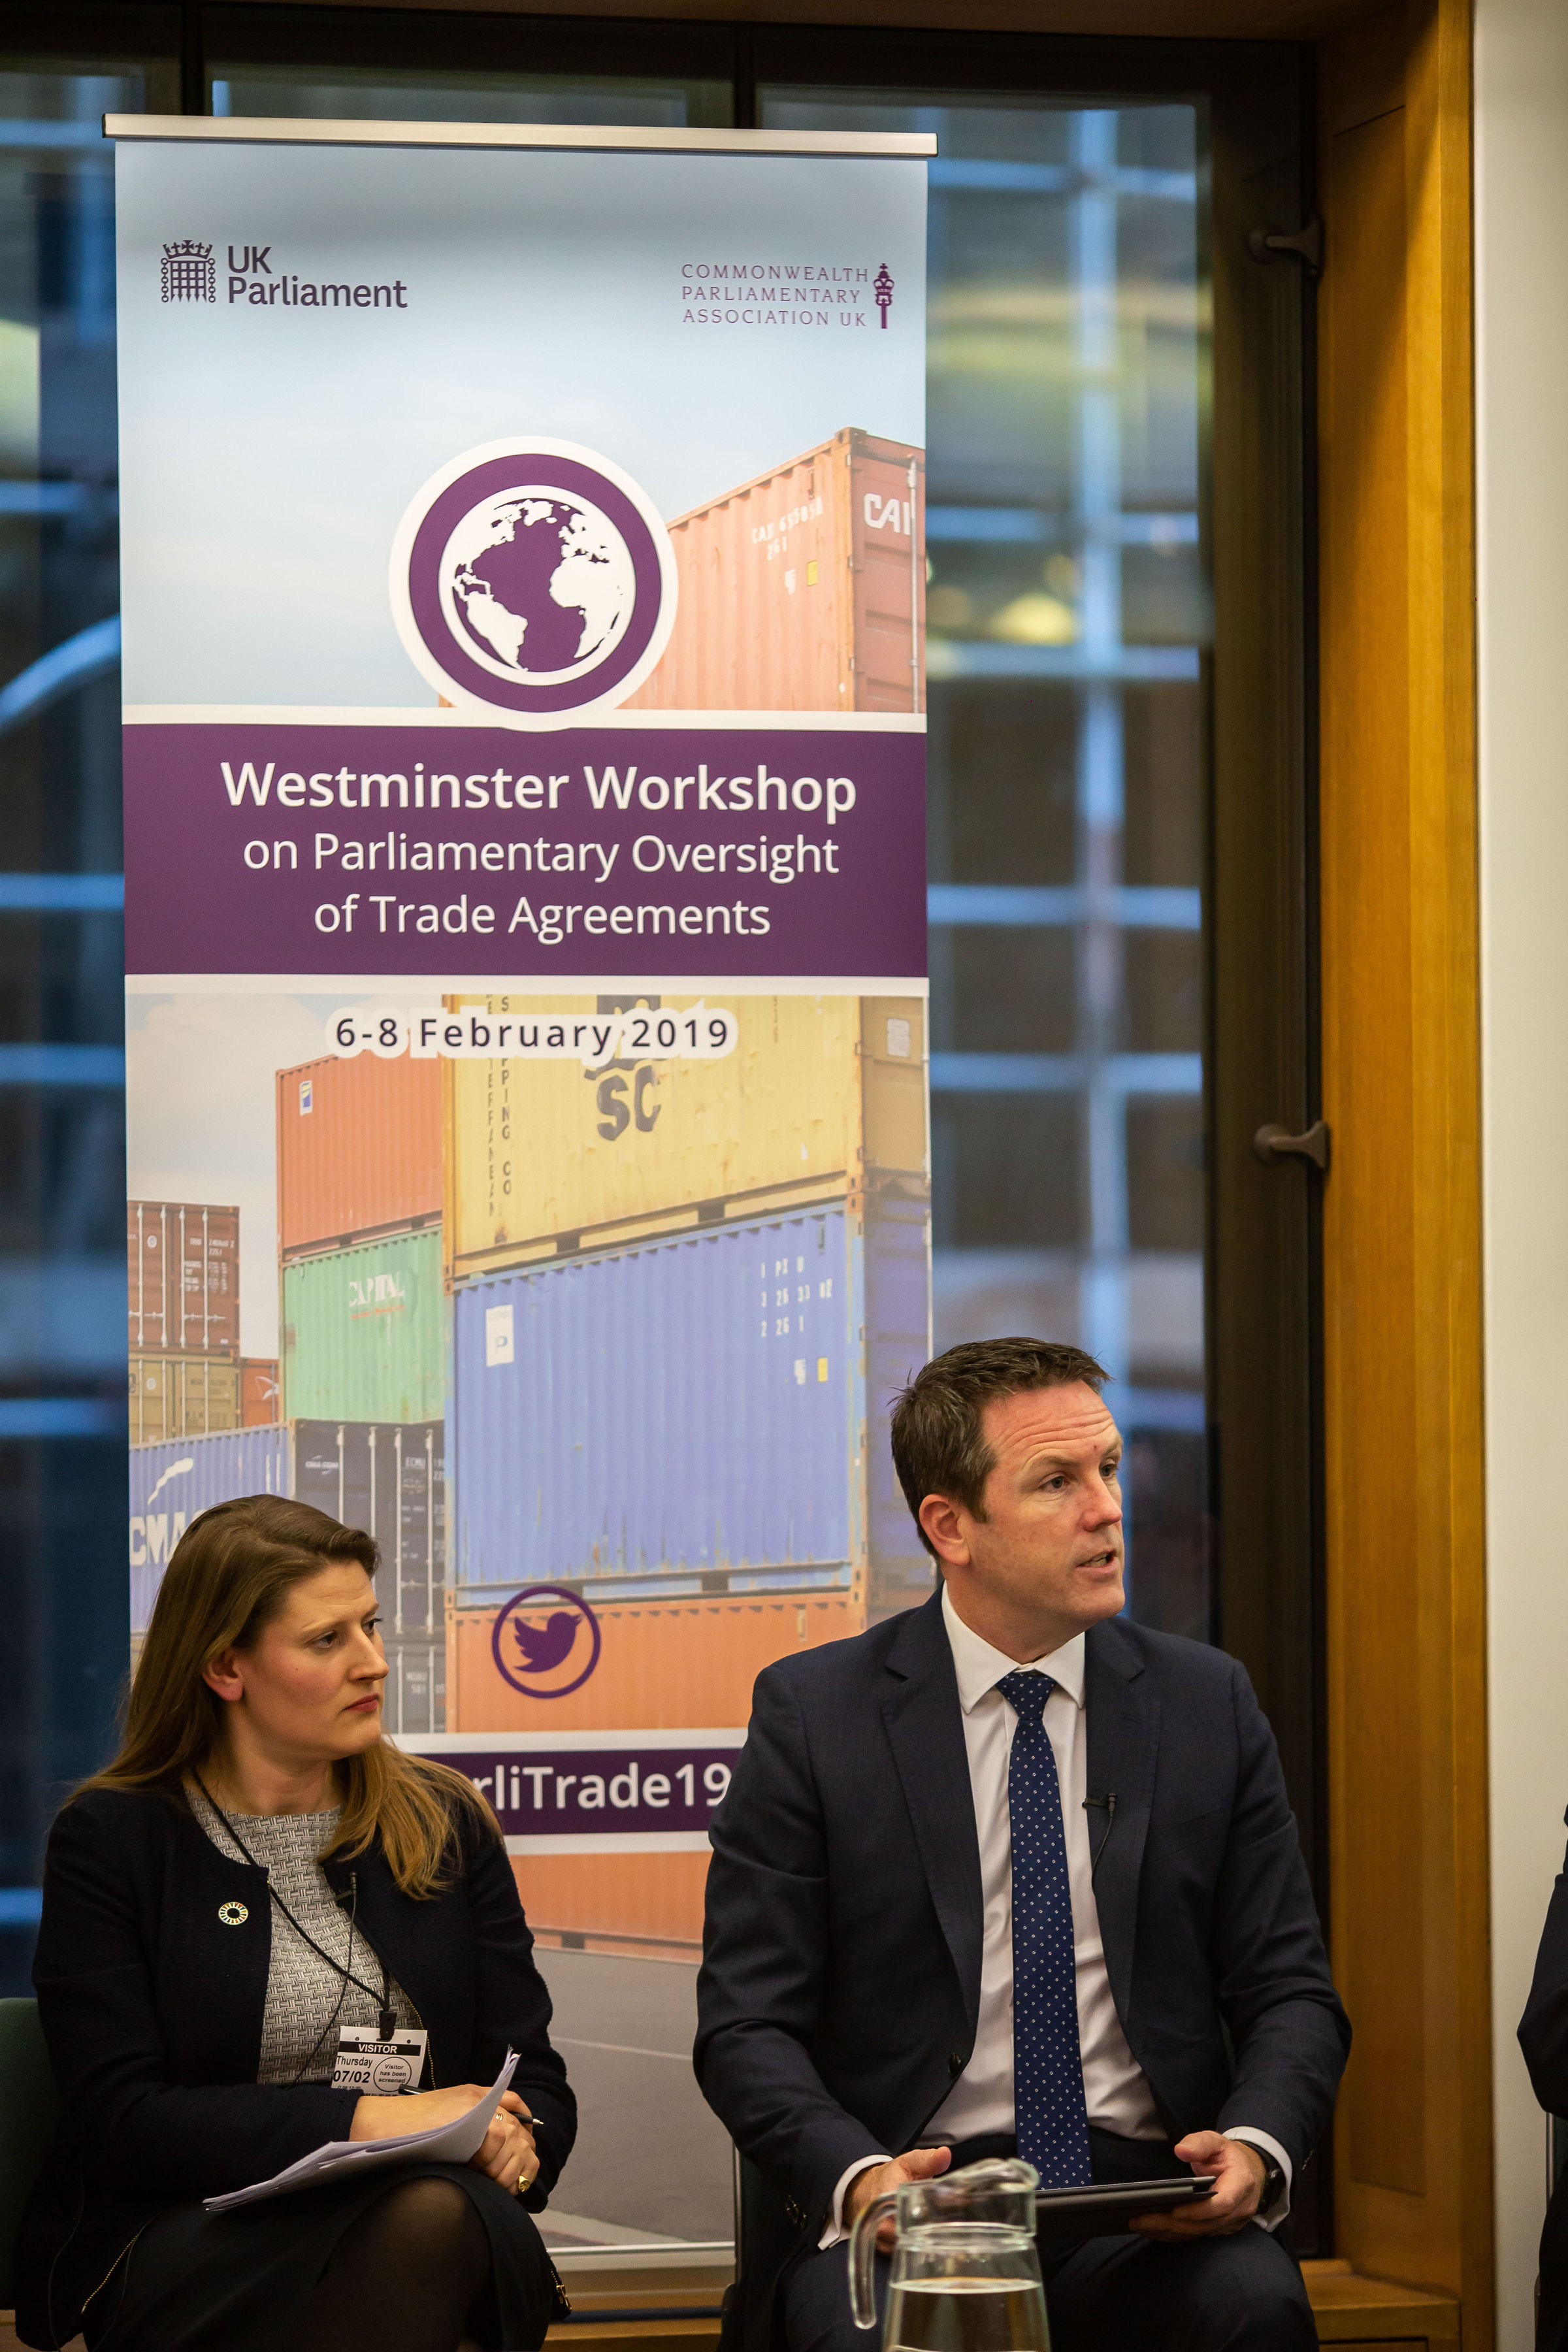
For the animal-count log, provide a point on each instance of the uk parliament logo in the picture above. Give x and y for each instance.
(189, 273)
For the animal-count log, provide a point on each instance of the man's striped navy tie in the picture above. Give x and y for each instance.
(1047, 2065)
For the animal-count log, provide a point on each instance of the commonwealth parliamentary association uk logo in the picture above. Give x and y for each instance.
(189, 273)
(534, 580)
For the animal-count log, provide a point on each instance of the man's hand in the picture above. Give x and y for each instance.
(881, 2180)
(1237, 2169)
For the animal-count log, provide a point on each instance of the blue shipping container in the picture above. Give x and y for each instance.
(897, 1342)
(692, 1407)
(171, 1482)
(389, 1479)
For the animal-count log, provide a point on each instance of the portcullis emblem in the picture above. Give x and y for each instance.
(189, 273)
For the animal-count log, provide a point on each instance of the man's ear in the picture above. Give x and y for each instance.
(221, 1674)
(946, 1531)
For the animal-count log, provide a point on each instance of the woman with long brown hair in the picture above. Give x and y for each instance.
(255, 1887)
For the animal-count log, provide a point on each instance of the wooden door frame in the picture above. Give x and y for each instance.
(1402, 1277)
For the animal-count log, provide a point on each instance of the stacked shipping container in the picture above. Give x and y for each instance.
(669, 1297)
(183, 1287)
(182, 1396)
(803, 589)
(171, 1483)
(685, 1413)
(389, 1479)
(358, 1151)
(365, 1336)
(671, 1284)
(258, 1393)
(823, 1097)
(184, 1278)
(364, 1331)
(358, 1215)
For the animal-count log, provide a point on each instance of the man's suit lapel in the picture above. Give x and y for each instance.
(925, 1730)
(1123, 1729)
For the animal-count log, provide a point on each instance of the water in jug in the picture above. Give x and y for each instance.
(966, 2274)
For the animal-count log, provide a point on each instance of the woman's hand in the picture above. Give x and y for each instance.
(506, 2152)
(509, 2153)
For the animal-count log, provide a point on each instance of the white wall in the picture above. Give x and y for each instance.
(1521, 350)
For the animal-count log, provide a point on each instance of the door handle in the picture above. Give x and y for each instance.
(1272, 1144)
(1302, 244)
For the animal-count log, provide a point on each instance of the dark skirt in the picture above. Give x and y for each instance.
(199, 2281)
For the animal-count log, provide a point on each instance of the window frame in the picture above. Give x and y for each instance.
(1263, 1242)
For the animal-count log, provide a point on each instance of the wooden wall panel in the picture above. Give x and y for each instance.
(1401, 1302)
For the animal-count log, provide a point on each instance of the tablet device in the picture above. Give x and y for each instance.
(1104, 2210)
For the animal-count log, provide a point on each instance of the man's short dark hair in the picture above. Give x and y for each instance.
(938, 1444)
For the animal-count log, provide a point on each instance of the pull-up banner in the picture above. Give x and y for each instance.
(523, 590)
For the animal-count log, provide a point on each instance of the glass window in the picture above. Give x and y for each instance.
(386, 94)
(62, 1141)
(1069, 612)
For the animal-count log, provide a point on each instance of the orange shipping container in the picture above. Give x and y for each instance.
(258, 1391)
(803, 590)
(664, 1665)
(358, 1149)
(183, 1274)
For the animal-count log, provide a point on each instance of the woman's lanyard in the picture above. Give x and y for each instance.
(388, 2021)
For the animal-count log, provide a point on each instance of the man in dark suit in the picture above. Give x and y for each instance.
(1009, 1873)
(1543, 2038)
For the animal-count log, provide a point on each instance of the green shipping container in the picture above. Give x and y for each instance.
(364, 1333)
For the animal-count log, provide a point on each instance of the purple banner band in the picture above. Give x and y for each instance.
(607, 1793)
(257, 847)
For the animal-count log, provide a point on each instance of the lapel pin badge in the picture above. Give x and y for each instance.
(232, 1914)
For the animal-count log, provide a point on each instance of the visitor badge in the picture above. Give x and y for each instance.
(379, 2069)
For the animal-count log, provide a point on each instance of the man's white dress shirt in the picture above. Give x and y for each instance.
(1116, 2091)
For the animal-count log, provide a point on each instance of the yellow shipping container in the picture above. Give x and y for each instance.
(820, 1095)
(182, 1396)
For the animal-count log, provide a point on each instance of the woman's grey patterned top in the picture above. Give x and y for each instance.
(298, 2027)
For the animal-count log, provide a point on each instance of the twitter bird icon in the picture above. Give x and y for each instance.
(536, 1640)
(543, 1646)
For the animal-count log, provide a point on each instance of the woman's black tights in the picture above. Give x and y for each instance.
(403, 2279)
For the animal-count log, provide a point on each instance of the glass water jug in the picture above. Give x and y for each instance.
(966, 2275)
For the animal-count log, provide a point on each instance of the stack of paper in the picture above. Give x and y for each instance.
(447, 2143)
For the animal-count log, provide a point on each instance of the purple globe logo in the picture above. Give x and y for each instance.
(535, 580)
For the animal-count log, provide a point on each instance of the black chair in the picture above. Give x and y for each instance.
(29, 2111)
(748, 2195)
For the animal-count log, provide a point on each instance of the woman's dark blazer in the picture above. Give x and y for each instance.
(152, 2007)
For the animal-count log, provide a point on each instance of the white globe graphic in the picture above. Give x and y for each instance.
(537, 584)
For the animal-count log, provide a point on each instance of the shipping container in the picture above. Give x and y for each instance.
(182, 1396)
(259, 1392)
(804, 589)
(358, 1151)
(364, 1332)
(822, 1095)
(688, 1415)
(390, 1481)
(183, 1270)
(898, 1341)
(415, 1697)
(688, 1410)
(662, 1665)
(171, 1484)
